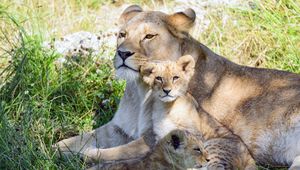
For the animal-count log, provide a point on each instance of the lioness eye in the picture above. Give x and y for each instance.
(158, 78)
(175, 78)
(149, 36)
(122, 34)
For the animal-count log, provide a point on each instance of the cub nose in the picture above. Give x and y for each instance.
(124, 54)
(166, 91)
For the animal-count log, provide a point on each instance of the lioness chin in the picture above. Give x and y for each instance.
(261, 106)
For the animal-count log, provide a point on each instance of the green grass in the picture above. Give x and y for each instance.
(268, 35)
(41, 102)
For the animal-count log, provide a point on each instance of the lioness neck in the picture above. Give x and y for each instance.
(208, 70)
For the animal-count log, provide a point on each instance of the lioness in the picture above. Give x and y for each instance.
(262, 106)
(168, 107)
(178, 150)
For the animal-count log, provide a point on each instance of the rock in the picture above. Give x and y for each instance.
(83, 44)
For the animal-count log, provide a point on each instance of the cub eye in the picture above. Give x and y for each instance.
(158, 78)
(175, 78)
(149, 36)
(197, 150)
(122, 35)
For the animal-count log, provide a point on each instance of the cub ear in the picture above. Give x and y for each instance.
(129, 13)
(147, 71)
(182, 21)
(187, 64)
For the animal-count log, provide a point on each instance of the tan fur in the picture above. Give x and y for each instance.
(91, 145)
(224, 149)
(265, 105)
(229, 96)
(127, 122)
(178, 150)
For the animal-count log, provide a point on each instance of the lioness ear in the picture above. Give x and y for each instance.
(147, 73)
(182, 21)
(129, 13)
(187, 64)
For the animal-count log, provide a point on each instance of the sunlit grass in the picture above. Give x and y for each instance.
(42, 102)
(268, 35)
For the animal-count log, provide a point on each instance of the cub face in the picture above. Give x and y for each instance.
(168, 80)
(185, 148)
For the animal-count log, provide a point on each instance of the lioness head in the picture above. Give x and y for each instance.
(168, 79)
(149, 33)
(184, 148)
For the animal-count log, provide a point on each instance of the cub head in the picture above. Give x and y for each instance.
(149, 33)
(185, 148)
(168, 80)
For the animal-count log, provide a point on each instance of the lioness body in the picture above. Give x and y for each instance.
(259, 105)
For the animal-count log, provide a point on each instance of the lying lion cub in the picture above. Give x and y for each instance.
(171, 108)
(178, 150)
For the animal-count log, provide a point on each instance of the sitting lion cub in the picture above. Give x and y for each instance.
(180, 149)
(174, 108)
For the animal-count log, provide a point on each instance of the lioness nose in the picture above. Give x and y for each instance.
(125, 54)
(166, 91)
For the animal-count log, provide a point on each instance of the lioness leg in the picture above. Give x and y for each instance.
(133, 149)
(296, 164)
(117, 132)
(108, 135)
(134, 164)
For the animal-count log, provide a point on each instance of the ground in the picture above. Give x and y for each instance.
(43, 100)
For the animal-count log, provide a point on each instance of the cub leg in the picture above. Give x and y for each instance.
(228, 153)
(105, 136)
(219, 158)
(296, 164)
(251, 165)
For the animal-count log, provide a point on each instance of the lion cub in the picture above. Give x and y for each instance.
(174, 108)
(180, 149)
